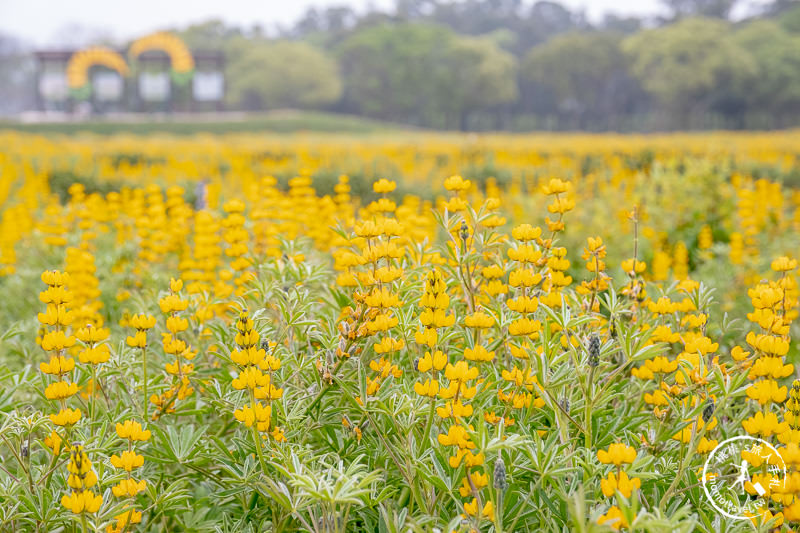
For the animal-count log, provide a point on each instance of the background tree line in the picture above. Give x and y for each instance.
(517, 65)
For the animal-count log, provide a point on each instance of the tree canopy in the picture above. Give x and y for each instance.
(581, 75)
(418, 72)
(509, 64)
(688, 66)
(282, 74)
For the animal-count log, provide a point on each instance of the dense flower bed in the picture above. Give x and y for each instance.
(555, 344)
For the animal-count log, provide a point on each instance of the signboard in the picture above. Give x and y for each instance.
(154, 86)
(208, 86)
(107, 86)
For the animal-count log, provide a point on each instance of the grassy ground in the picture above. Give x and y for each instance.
(284, 121)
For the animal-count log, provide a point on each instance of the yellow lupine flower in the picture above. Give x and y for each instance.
(53, 441)
(382, 322)
(456, 436)
(617, 454)
(55, 278)
(706, 445)
(526, 232)
(429, 388)
(783, 264)
(478, 480)
(556, 186)
(621, 483)
(128, 461)
(492, 272)
(479, 353)
(664, 306)
(60, 390)
(437, 361)
(123, 520)
(457, 183)
(487, 512)
(250, 378)
(128, 488)
(764, 425)
(455, 409)
(523, 304)
(766, 391)
(82, 502)
(56, 315)
(388, 345)
(57, 340)
(525, 253)
(633, 266)
(248, 356)
(470, 459)
(461, 371)
(91, 334)
(172, 303)
(524, 326)
(772, 367)
(132, 430)
(56, 296)
(176, 324)
(66, 417)
(383, 186)
(95, 355)
(561, 205)
(478, 319)
(142, 321)
(614, 519)
(58, 365)
(661, 364)
(138, 340)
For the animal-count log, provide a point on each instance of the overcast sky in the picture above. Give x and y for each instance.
(51, 22)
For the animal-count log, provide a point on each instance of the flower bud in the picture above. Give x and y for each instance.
(500, 482)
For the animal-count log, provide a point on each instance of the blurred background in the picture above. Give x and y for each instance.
(469, 65)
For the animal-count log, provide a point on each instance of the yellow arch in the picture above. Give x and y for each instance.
(180, 57)
(80, 63)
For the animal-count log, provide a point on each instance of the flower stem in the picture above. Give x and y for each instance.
(428, 425)
(256, 438)
(93, 396)
(498, 511)
(144, 377)
(588, 409)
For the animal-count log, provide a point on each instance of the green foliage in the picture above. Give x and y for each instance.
(281, 74)
(581, 73)
(480, 75)
(687, 62)
(391, 70)
(791, 20)
(774, 85)
(61, 180)
(424, 73)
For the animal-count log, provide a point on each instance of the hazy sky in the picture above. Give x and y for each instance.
(46, 22)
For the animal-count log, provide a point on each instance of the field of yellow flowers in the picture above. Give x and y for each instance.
(427, 333)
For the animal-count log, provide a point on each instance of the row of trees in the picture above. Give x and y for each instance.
(500, 64)
(512, 64)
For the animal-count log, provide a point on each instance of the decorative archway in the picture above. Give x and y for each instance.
(80, 62)
(181, 60)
